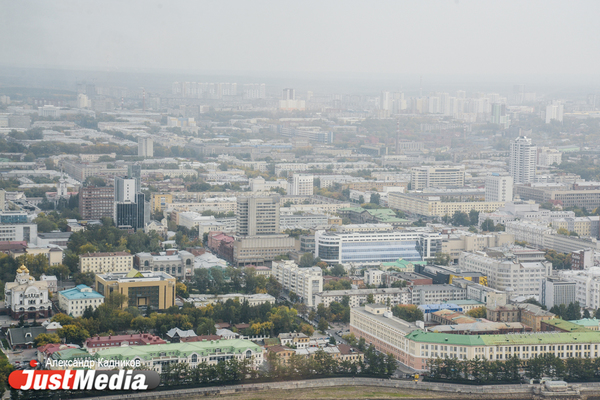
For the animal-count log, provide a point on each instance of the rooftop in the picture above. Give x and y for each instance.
(185, 349)
(114, 254)
(80, 292)
(506, 340)
(566, 326)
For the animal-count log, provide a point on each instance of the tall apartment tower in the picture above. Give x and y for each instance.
(125, 190)
(258, 216)
(145, 147)
(523, 160)
(498, 188)
(134, 171)
(289, 94)
(300, 185)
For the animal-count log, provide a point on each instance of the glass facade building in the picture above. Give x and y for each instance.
(376, 247)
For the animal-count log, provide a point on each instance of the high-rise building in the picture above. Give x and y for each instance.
(125, 190)
(289, 94)
(523, 160)
(96, 202)
(300, 185)
(257, 216)
(131, 214)
(134, 171)
(145, 147)
(554, 112)
(82, 101)
(385, 101)
(498, 188)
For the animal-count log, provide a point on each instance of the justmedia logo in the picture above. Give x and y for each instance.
(82, 379)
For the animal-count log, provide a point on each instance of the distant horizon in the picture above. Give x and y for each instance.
(325, 82)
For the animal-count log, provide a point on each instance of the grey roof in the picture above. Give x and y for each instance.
(19, 336)
(181, 333)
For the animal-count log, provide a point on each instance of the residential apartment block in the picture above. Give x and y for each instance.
(102, 263)
(358, 297)
(305, 282)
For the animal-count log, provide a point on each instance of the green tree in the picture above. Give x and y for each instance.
(322, 325)
(73, 334)
(479, 312)
(409, 313)
(46, 338)
(461, 219)
(441, 259)
(474, 217)
(307, 260)
(487, 225)
(338, 270)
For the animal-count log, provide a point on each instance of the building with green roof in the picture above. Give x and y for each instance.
(560, 325)
(402, 265)
(192, 353)
(592, 324)
(413, 346)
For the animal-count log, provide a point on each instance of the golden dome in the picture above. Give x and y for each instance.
(22, 270)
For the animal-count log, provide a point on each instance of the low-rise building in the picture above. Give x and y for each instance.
(27, 297)
(504, 273)
(102, 263)
(76, 300)
(433, 206)
(97, 343)
(178, 263)
(413, 347)
(358, 297)
(297, 339)
(149, 290)
(192, 353)
(433, 294)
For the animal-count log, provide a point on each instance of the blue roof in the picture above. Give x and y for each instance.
(430, 308)
(76, 293)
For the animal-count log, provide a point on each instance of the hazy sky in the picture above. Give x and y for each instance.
(419, 36)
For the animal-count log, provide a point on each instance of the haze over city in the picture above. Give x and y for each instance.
(317, 200)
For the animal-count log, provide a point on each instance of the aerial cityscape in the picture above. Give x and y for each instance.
(308, 215)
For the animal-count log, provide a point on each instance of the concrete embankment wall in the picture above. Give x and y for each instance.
(491, 392)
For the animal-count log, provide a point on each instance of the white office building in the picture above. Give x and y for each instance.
(437, 177)
(498, 188)
(523, 160)
(519, 278)
(300, 185)
(555, 291)
(125, 190)
(376, 247)
(587, 286)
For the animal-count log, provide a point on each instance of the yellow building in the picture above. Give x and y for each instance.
(148, 289)
(102, 263)
(433, 206)
(160, 201)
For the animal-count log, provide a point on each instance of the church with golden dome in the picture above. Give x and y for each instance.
(26, 296)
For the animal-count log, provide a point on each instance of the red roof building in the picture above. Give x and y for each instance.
(94, 344)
